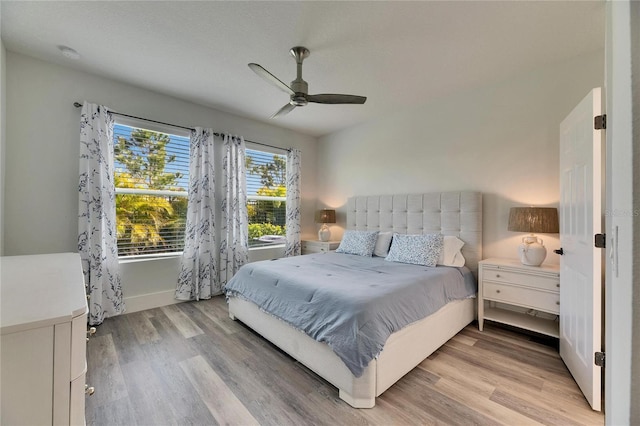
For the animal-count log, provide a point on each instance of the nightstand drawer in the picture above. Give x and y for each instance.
(522, 296)
(310, 246)
(544, 282)
(314, 248)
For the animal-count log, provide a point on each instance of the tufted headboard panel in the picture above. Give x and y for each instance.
(450, 213)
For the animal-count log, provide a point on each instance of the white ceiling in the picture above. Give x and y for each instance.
(398, 54)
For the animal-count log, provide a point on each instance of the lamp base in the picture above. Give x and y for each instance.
(532, 251)
(324, 234)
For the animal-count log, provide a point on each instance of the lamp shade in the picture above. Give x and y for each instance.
(534, 220)
(326, 216)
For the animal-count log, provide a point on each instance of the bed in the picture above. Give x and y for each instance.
(449, 213)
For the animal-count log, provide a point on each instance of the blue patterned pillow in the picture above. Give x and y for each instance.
(417, 249)
(361, 243)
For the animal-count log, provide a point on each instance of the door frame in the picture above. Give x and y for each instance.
(622, 346)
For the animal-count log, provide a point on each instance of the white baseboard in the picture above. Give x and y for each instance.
(150, 301)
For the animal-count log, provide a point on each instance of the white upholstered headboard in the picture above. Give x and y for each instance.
(450, 213)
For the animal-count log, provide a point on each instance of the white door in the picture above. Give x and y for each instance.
(581, 277)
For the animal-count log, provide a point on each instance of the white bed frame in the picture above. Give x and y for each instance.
(451, 213)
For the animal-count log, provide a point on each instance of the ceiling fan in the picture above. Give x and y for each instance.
(298, 91)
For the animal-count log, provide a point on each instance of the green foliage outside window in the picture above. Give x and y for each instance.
(257, 230)
(267, 217)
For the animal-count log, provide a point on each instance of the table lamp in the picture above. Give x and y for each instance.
(325, 216)
(544, 220)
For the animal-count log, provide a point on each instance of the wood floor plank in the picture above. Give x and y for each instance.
(461, 338)
(254, 390)
(118, 412)
(451, 370)
(144, 331)
(428, 398)
(557, 402)
(531, 409)
(549, 363)
(123, 337)
(464, 395)
(151, 400)
(220, 317)
(225, 407)
(105, 375)
(474, 376)
(531, 366)
(186, 403)
(507, 371)
(181, 321)
(496, 333)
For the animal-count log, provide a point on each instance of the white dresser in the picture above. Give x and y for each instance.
(523, 296)
(43, 322)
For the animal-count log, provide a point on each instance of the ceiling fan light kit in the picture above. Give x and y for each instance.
(298, 90)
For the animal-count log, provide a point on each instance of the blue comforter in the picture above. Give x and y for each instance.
(352, 303)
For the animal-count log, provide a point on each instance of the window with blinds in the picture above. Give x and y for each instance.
(151, 183)
(266, 197)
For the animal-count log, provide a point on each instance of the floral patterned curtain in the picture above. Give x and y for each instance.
(97, 240)
(234, 244)
(198, 266)
(292, 247)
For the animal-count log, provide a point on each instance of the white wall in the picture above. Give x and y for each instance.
(41, 200)
(3, 132)
(501, 140)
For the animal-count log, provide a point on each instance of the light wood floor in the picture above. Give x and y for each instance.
(190, 364)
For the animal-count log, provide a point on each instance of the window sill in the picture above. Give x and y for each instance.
(148, 257)
(274, 246)
(163, 256)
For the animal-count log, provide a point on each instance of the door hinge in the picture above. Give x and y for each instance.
(600, 122)
(599, 359)
(600, 240)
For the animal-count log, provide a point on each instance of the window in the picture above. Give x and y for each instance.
(151, 180)
(266, 197)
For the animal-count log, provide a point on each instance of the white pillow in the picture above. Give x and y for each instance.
(361, 243)
(450, 254)
(417, 249)
(382, 244)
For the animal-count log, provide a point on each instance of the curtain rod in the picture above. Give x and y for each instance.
(78, 105)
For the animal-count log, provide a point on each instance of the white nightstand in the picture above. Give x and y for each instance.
(316, 246)
(512, 284)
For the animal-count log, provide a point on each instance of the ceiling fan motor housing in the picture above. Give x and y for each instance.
(301, 88)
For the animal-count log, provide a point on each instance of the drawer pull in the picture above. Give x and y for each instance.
(497, 275)
(90, 332)
(558, 302)
(89, 390)
(497, 291)
(558, 285)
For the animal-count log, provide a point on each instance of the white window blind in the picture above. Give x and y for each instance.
(266, 197)
(151, 180)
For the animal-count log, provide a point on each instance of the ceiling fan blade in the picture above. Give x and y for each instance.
(258, 69)
(330, 98)
(283, 111)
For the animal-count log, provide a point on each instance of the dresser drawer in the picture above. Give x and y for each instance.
(78, 346)
(544, 282)
(76, 403)
(522, 296)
